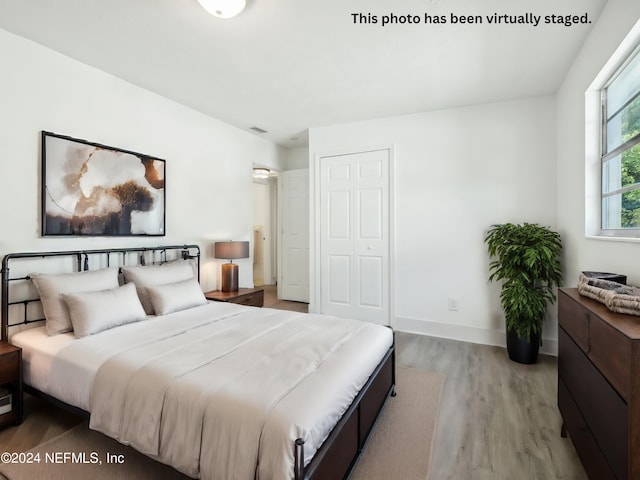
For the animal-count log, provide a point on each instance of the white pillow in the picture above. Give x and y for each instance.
(51, 287)
(152, 275)
(97, 311)
(176, 296)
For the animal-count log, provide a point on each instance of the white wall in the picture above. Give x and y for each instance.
(209, 185)
(456, 172)
(296, 158)
(582, 253)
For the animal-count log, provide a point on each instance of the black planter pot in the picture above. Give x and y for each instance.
(520, 350)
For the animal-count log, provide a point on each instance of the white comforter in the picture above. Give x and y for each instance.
(222, 391)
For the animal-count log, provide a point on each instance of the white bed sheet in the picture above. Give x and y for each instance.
(73, 362)
(65, 368)
(38, 352)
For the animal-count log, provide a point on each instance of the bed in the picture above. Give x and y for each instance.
(216, 390)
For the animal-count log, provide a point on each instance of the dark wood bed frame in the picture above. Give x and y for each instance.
(337, 455)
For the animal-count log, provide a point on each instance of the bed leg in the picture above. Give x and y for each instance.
(298, 462)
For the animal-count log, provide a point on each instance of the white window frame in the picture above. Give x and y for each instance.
(606, 156)
(593, 144)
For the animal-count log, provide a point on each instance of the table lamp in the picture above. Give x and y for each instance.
(230, 251)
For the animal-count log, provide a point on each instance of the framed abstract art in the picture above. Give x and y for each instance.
(89, 189)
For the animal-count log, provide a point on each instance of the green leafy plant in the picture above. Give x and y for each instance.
(527, 261)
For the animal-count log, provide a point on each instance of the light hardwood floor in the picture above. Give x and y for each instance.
(497, 419)
(271, 301)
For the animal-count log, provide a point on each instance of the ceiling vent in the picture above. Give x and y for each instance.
(258, 130)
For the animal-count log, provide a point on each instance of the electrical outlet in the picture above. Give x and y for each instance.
(454, 304)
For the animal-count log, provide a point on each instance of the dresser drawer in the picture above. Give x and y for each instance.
(575, 321)
(611, 353)
(253, 299)
(604, 411)
(607, 348)
(9, 367)
(586, 446)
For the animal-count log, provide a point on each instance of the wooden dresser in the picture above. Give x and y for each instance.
(599, 385)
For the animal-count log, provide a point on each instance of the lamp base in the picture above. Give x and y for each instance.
(229, 277)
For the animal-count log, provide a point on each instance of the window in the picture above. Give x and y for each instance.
(621, 149)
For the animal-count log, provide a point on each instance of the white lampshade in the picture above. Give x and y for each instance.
(223, 8)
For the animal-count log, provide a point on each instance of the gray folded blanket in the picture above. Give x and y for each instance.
(615, 296)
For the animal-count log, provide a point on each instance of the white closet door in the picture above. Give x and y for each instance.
(354, 235)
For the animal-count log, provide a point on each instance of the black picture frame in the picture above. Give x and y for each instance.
(90, 189)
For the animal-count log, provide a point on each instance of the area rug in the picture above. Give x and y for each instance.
(401, 442)
(399, 446)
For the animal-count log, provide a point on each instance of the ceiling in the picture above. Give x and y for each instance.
(287, 65)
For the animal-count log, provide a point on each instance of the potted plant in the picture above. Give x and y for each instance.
(527, 262)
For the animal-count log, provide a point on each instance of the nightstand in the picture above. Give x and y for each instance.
(11, 380)
(253, 297)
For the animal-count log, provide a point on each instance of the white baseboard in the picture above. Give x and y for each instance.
(465, 334)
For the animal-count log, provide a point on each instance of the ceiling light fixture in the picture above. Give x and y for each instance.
(261, 173)
(223, 8)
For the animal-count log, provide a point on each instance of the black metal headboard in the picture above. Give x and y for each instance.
(18, 293)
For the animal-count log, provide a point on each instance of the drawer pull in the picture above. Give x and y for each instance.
(588, 334)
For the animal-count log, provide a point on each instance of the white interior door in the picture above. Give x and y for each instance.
(294, 201)
(354, 235)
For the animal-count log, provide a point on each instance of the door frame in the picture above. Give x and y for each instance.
(271, 185)
(315, 261)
